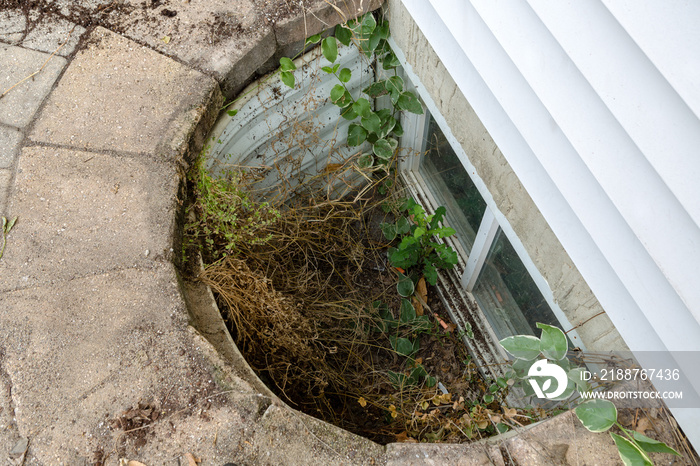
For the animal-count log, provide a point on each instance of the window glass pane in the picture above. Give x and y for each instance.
(452, 186)
(507, 294)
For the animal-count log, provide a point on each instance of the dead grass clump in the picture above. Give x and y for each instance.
(270, 326)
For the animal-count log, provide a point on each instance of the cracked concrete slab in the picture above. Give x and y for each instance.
(24, 96)
(12, 26)
(5, 181)
(119, 95)
(123, 342)
(9, 145)
(82, 213)
(52, 34)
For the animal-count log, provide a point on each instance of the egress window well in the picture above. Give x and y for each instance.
(290, 136)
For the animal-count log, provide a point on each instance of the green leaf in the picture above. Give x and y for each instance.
(362, 107)
(405, 286)
(488, 398)
(375, 90)
(327, 69)
(374, 39)
(568, 391)
(408, 313)
(522, 346)
(287, 78)
(652, 446)
(335, 67)
(409, 102)
(553, 342)
(443, 232)
(356, 135)
(430, 274)
(348, 113)
(576, 376)
(382, 149)
(345, 75)
(398, 130)
(430, 381)
(402, 226)
(343, 34)
(287, 64)
(365, 161)
(372, 123)
(389, 230)
(502, 428)
(329, 47)
(313, 39)
(386, 127)
(368, 24)
(402, 346)
(383, 30)
(390, 61)
(337, 93)
(416, 374)
(522, 366)
(394, 84)
(630, 453)
(418, 232)
(597, 415)
(232, 112)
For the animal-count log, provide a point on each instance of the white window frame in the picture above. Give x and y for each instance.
(470, 265)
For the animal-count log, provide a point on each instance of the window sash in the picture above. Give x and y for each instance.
(472, 263)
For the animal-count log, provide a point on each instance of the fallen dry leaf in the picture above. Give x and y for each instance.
(403, 437)
(135, 463)
(422, 289)
(510, 413)
(417, 306)
(191, 460)
(643, 424)
(362, 401)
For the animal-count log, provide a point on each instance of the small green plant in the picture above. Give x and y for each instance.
(6, 227)
(418, 253)
(380, 128)
(533, 355)
(403, 336)
(225, 215)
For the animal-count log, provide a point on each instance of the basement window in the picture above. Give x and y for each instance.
(496, 270)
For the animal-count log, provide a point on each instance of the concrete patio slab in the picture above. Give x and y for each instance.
(51, 33)
(83, 213)
(118, 95)
(9, 145)
(124, 342)
(12, 26)
(17, 108)
(5, 179)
